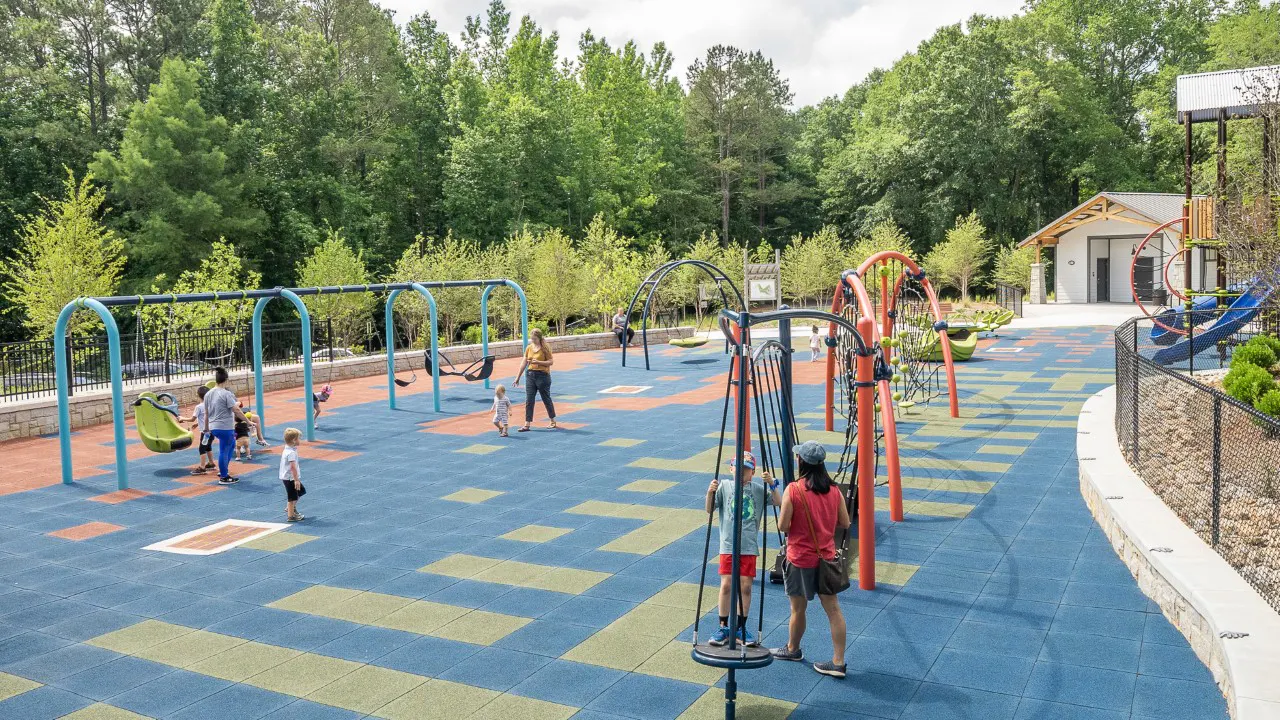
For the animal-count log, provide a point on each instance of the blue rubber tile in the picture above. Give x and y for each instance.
(162, 601)
(887, 657)
(631, 589)
(951, 579)
(77, 584)
(791, 681)
(912, 628)
(1012, 613)
(1157, 629)
(255, 623)
(981, 671)
(1108, 653)
(871, 694)
(943, 603)
(317, 571)
(470, 594)
(946, 702)
(176, 577)
(568, 683)
(527, 602)
(593, 611)
(266, 591)
(45, 614)
(1032, 709)
(1114, 597)
(108, 679)
(1178, 662)
(428, 656)
(1038, 547)
(810, 712)
(91, 625)
(238, 701)
(1079, 685)
(62, 662)
(1166, 698)
(42, 703)
(222, 582)
(117, 594)
(1039, 589)
(648, 698)
(415, 585)
(168, 694)
(495, 669)
(23, 599)
(365, 577)
(24, 646)
(1111, 573)
(1025, 566)
(366, 644)
(546, 637)
(308, 633)
(1099, 621)
(307, 710)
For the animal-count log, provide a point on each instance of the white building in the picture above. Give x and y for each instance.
(1095, 245)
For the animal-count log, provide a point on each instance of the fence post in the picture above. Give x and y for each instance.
(164, 354)
(1133, 370)
(1217, 465)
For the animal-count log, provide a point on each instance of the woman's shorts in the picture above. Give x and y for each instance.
(801, 582)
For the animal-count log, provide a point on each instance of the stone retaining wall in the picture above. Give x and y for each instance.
(39, 416)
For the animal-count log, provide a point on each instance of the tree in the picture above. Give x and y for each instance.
(886, 235)
(64, 253)
(171, 176)
(958, 261)
(1013, 266)
(333, 262)
(615, 269)
(221, 271)
(811, 265)
(558, 281)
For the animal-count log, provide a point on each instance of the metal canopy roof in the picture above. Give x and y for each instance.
(1238, 92)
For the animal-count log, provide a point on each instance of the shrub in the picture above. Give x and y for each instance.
(542, 325)
(1254, 353)
(588, 329)
(1269, 403)
(471, 335)
(1267, 341)
(1247, 382)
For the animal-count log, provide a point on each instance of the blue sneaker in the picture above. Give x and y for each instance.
(720, 638)
(746, 638)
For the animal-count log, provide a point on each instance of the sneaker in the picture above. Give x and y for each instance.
(263, 443)
(228, 480)
(720, 638)
(745, 636)
(297, 518)
(830, 669)
(200, 470)
(785, 653)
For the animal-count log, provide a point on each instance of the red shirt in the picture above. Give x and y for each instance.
(826, 512)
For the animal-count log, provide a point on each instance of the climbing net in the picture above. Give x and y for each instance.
(915, 347)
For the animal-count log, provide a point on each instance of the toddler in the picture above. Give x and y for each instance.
(320, 397)
(501, 409)
(290, 475)
(204, 439)
(243, 429)
(815, 345)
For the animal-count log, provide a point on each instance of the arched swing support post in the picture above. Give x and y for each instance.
(391, 351)
(307, 386)
(651, 284)
(484, 319)
(62, 374)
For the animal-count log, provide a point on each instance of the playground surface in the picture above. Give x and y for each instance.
(443, 572)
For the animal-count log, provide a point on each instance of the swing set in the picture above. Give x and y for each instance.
(162, 434)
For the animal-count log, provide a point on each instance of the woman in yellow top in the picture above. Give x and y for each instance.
(537, 366)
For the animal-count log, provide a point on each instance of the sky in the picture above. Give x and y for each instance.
(821, 46)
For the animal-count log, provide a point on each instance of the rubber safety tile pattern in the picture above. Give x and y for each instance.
(551, 574)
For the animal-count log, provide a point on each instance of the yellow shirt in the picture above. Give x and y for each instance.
(542, 355)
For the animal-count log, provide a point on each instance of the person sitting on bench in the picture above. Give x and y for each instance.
(620, 327)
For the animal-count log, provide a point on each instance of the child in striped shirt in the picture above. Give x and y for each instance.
(501, 409)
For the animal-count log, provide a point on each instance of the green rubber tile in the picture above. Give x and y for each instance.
(994, 449)
(965, 486)
(366, 689)
(479, 449)
(674, 663)
(480, 627)
(654, 621)
(244, 661)
(11, 685)
(618, 650)
(536, 533)
(510, 707)
(279, 541)
(303, 675)
(648, 486)
(568, 580)
(315, 600)
(422, 617)
(367, 608)
(439, 700)
(102, 711)
(677, 595)
(703, 462)
(460, 566)
(189, 649)
(621, 442)
(749, 707)
(136, 638)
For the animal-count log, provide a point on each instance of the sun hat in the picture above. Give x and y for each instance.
(748, 460)
(811, 451)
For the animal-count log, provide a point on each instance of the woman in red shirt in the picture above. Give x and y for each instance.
(812, 510)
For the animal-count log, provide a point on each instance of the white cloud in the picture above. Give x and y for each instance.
(821, 46)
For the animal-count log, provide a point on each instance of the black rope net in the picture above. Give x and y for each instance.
(915, 347)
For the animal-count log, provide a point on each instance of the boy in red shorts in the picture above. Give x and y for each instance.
(720, 498)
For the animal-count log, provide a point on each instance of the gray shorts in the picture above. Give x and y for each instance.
(801, 581)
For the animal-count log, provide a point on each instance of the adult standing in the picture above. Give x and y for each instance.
(620, 328)
(811, 515)
(538, 360)
(222, 411)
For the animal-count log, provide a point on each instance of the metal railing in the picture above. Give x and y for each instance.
(1009, 297)
(1214, 460)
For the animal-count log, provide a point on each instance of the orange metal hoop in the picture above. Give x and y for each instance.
(1134, 263)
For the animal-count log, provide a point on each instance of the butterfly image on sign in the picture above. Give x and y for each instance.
(763, 289)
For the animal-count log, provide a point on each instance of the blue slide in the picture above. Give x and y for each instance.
(1176, 317)
(1241, 312)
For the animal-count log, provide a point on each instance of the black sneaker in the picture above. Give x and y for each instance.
(785, 653)
(228, 480)
(830, 669)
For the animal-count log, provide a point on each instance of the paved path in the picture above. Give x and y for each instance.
(445, 572)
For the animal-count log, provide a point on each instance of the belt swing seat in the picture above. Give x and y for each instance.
(477, 371)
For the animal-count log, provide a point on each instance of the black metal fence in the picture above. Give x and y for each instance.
(1212, 459)
(1009, 297)
(27, 368)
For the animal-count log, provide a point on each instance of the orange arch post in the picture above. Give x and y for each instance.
(1133, 290)
(866, 462)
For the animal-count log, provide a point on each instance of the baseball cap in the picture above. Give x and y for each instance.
(811, 451)
(748, 460)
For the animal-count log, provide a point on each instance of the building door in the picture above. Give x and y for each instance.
(1104, 280)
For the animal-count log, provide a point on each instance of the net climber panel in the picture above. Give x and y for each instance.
(912, 335)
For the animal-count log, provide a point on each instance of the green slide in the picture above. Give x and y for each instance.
(158, 425)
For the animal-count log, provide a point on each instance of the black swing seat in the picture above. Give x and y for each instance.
(475, 372)
(741, 657)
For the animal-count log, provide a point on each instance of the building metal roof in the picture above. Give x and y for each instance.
(1239, 92)
(1152, 208)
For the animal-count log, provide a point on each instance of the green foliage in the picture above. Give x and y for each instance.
(558, 286)
(1259, 354)
(64, 253)
(588, 329)
(471, 335)
(886, 235)
(811, 266)
(1013, 266)
(959, 261)
(1269, 403)
(330, 263)
(1247, 382)
(221, 270)
(1267, 341)
(616, 270)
